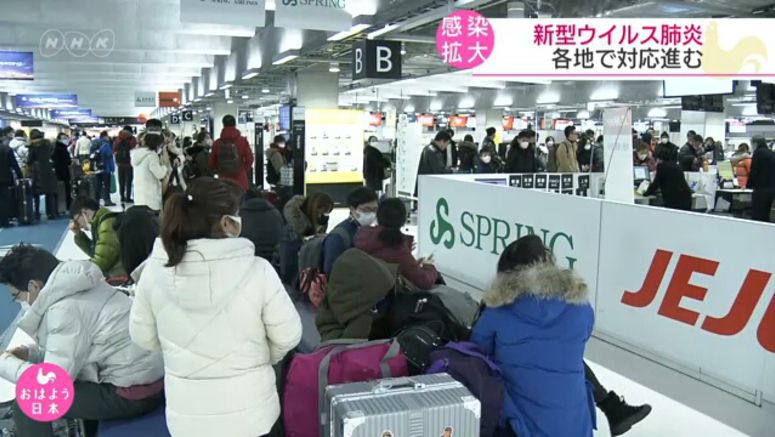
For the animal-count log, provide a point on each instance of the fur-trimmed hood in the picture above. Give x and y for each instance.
(542, 281)
(295, 217)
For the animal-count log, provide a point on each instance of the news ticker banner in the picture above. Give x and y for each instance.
(600, 49)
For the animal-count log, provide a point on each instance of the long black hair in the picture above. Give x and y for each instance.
(196, 214)
(524, 252)
(391, 216)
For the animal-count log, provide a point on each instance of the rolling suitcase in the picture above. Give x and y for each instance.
(25, 214)
(427, 406)
(61, 198)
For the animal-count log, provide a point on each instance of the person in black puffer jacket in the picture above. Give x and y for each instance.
(262, 224)
(522, 155)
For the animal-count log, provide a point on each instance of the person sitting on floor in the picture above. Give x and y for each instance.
(137, 229)
(389, 244)
(103, 248)
(363, 212)
(80, 324)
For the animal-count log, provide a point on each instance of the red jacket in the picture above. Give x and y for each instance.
(231, 135)
(367, 240)
(124, 135)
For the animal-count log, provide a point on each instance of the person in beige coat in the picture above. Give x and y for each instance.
(567, 161)
(218, 313)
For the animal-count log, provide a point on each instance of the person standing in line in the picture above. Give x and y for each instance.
(690, 155)
(741, 162)
(234, 323)
(670, 179)
(489, 139)
(363, 203)
(276, 160)
(262, 224)
(762, 180)
(103, 153)
(81, 324)
(83, 147)
(467, 152)
(433, 160)
(9, 173)
(551, 152)
(664, 141)
(149, 172)
(20, 147)
(62, 162)
(231, 157)
(122, 148)
(567, 151)
(375, 165)
(44, 180)
(522, 155)
(6, 135)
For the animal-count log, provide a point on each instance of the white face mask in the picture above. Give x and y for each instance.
(549, 143)
(664, 140)
(588, 147)
(643, 157)
(281, 145)
(238, 220)
(486, 159)
(365, 218)
(524, 144)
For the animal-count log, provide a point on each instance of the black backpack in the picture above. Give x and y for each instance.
(229, 161)
(122, 154)
(272, 176)
(422, 308)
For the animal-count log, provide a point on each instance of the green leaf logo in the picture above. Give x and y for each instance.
(441, 228)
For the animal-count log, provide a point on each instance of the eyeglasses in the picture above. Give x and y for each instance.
(15, 296)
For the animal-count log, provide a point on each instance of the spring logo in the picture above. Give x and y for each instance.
(441, 228)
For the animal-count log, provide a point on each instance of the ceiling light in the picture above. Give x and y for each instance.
(548, 97)
(435, 106)
(245, 97)
(285, 57)
(226, 86)
(504, 101)
(606, 93)
(657, 113)
(359, 24)
(209, 94)
(265, 90)
(377, 33)
(230, 101)
(583, 114)
(209, 109)
(334, 67)
(403, 49)
(250, 74)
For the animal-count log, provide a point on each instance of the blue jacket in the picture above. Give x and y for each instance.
(536, 325)
(335, 245)
(106, 153)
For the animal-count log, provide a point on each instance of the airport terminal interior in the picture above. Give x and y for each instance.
(300, 218)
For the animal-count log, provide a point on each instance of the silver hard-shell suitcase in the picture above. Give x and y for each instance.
(419, 406)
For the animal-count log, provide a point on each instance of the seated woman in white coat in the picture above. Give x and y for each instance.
(219, 314)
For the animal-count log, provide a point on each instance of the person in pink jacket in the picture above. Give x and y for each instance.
(389, 244)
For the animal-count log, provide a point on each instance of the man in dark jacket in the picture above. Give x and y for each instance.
(220, 159)
(103, 248)
(122, 146)
(467, 153)
(664, 142)
(690, 155)
(9, 172)
(375, 165)
(522, 155)
(363, 212)
(762, 179)
(44, 180)
(262, 224)
(62, 161)
(671, 181)
(434, 158)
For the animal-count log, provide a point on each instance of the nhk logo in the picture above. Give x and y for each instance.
(491, 234)
(334, 4)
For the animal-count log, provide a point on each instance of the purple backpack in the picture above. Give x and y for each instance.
(333, 363)
(468, 365)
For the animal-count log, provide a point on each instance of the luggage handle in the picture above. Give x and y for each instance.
(386, 386)
(467, 348)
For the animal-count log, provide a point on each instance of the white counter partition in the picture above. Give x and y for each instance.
(707, 307)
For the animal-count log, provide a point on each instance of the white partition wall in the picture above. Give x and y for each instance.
(692, 291)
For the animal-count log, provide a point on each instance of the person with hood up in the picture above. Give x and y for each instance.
(276, 160)
(218, 313)
(363, 203)
(122, 148)
(62, 161)
(522, 155)
(375, 165)
(103, 249)
(664, 142)
(80, 324)
(149, 172)
(358, 283)
(20, 147)
(466, 153)
(388, 243)
(231, 157)
(44, 179)
(262, 224)
(304, 217)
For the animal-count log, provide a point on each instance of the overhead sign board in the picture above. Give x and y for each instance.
(49, 101)
(70, 113)
(376, 60)
(328, 15)
(16, 65)
(169, 99)
(174, 119)
(145, 99)
(121, 121)
(187, 115)
(233, 13)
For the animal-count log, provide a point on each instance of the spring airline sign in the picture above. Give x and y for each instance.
(608, 48)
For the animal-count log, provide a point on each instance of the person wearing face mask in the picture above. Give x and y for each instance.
(522, 154)
(103, 247)
(487, 161)
(80, 324)
(62, 161)
(262, 224)
(670, 180)
(219, 314)
(275, 160)
(305, 217)
(149, 171)
(642, 157)
(567, 152)
(584, 154)
(551, 155)
(363, 203)
(375, 165)
(664, 142)
(388, 243)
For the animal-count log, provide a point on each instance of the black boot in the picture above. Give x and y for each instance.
(621, 416)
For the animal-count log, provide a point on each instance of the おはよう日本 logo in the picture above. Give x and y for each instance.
(45, 392)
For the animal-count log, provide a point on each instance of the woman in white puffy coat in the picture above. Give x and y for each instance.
(150, 171)
(219, 314)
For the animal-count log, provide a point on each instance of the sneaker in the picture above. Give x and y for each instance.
(621, 416)
(110, 204)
